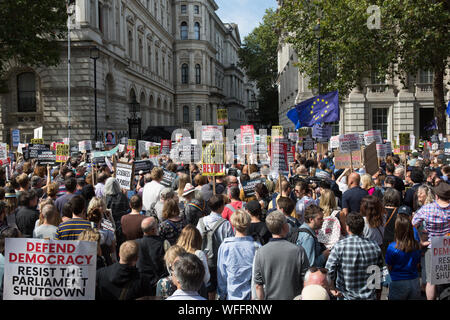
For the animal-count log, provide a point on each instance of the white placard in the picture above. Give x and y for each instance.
(371, 136)
(124, 175)
(212, 133)
(440, 260)
(85, 145)
(37, 269)
(334, 142)
(381, 150)
(38, 133)
(3, 152)
(349, 142)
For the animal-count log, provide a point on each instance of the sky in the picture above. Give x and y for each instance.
(247, 14)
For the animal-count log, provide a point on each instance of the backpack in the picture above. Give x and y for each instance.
(210, 243)
(274, 204)
(151, 212)
(330, 233)
(322, 246)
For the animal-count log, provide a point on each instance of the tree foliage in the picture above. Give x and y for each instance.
(29, 31)
(258, 57)
(414, 35)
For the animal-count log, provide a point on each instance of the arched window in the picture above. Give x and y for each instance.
(198, 113)
(184, 31)
(184, 73)
(185, 114)
(198, 72)
(26, 92)
(197, 31)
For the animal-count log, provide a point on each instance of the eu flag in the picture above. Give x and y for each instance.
(448, 109)
(321, 108)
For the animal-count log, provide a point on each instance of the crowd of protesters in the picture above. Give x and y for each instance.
(313, 234)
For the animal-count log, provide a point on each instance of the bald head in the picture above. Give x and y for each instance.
(316, 278)
(353, 180)
(149, 226)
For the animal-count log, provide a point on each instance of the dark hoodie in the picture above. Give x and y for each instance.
(112, 280)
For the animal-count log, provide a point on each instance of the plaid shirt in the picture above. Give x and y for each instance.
(348, 263)
(436, 219)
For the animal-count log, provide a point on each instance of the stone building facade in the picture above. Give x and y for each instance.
(176, 58)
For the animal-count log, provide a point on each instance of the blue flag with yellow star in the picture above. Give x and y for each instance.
(321, 108)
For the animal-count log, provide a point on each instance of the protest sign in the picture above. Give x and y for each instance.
(145, 166)
(37, 141)
(372, 135)
(3, 151)
(277, 132)
(222, 117)
(168, 178)
(212, 133)
(46, 158)
(102, 154)
(321, 132)
(153, 151)
(34, 148)
(349, 142)
(304, 132)
(388, 147)
(342, 160)
(85, 145)
(440, 260)
(447, 148)
(293, 136)
(38, 133)
(249, 187)
(371, 159)
(404, 142)
(15, 137)
(213, 159)
(278, 159)
(166, 145)
(381, 150)
(334, 142)
(247, 135)
(62, 153)
(131, 147)
(110, 138)
(124, 174)
(37, 269)
(308, 144)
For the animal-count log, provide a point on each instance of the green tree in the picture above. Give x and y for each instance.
(413, 36)
(258, 57)
(29, 31)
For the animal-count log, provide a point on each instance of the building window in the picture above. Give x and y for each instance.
(141, 52)
(196, 9)
(130, 44)
(186, 114)
(198, 113)
(157, 63)
(197, 31)
(164, 68)
(26, 92)
(184, 31)
(149, 49)
(426, 76)
(198, 71)
(376, 78)
(100, 18)
(183, 9)
(184, 73)
(380, 121)
(335, 128)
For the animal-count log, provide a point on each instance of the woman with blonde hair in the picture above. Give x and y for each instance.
(182, 181)
(368, 184)
(190, 240)
(93, 235)
(165, 287)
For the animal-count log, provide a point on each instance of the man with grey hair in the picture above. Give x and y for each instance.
(151, 251)
(279, 266)
(188, 272)
(317, 276)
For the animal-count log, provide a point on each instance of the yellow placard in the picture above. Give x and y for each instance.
(62, 152)
(213, 159)
(222, 117)
(132, 142)
(153, 151)
(277, 131)
(37, 141)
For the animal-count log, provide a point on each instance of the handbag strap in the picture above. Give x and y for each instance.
(392, 214)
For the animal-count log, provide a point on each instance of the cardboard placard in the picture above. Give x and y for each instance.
(247, 135)
(371, 158)
(165, 147)
(38, 269)
(62, 153)
(349, 142)
(85, 145)
(342, 160)
(124, 174)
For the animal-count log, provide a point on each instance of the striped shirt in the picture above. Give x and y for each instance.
(436, 218)
(70, 229)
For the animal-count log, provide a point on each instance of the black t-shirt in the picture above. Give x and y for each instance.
(351, 199)
(259, 232)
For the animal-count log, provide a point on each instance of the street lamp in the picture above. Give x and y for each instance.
(70, 9)
(95, 54)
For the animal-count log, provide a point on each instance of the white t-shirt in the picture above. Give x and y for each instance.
(151, 193)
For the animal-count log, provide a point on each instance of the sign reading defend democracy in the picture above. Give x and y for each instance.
(349, 142)
(37, 269)
(440, 260)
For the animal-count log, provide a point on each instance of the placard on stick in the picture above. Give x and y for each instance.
(371, 158)
(342, 160)
(124, 174)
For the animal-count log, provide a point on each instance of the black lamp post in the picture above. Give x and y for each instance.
(95, 54)
(134, 123)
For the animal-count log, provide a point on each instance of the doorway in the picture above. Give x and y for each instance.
(426, 115)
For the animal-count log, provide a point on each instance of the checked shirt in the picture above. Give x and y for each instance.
(436, 218)
(348, 265)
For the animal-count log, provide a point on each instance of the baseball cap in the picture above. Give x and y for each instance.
(405, 210)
